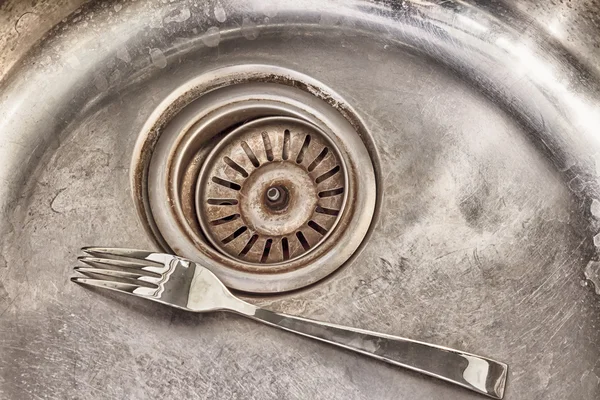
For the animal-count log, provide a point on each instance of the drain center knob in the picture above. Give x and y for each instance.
(273, 194)
(277, 198)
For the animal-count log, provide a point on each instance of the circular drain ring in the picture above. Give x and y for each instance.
(215, 112)
(181, 132)
(298, 164)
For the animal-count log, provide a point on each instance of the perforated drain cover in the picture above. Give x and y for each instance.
(271, 191)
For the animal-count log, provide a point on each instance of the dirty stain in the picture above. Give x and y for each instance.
(211, 37)
(220, 13)
(178, 15)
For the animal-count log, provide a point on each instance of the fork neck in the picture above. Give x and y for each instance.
(241, 307)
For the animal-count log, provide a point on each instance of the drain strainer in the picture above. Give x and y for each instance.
(261, 174)
(271, 191)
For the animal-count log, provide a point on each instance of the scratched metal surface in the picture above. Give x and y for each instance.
(484, 240)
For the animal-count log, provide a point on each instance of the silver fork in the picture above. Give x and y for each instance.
(183, 284)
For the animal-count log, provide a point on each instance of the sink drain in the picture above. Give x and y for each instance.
(271, 191)
(260, 173)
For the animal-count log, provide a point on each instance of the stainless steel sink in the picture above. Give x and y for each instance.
(475, 143)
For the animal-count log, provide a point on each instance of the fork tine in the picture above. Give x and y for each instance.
(147, 266)
(124, 287)
(158, 258)
(112, 285)
(129, 275)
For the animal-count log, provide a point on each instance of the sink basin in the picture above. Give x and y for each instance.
(468, 136)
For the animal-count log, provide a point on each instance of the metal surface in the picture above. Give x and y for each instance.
(484, 116)
(187, 285)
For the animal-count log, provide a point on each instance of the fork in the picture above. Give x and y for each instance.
(186, 285)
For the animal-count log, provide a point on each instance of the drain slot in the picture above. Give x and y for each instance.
(327, 211)
(328, 174)
(268, 148)
(224, 220)
(266, 251)
(235, 166)
(318, 228)
(225, 183)
(303, 241)
(222, 202)
(305, 145)
(248, 246)
(285, 248)
(318, 160)
(250, 154)
(235, 235)
(285, 152)
(331, 193)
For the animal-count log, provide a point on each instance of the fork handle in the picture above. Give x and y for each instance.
(473, 372)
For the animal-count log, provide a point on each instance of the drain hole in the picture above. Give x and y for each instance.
(285, 248)
(225, 220)
(227, 184)
(331, 193)
(303, 241)
(317, 227)
(285, 152)
(237, 167)
(328, 174)
(268, 147)
(222, 202)
(249, 245)
(318, 159)
(234, 235)
(250, 155)
(305, 145)
(327, 211)
(266, 250)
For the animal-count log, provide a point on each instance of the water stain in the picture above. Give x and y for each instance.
(329, 19)
(123, 54)
(179, 15)
(249, 29)
(158, 58)
(473, 203)
(220, 14)
(74, 62)
(211, 37)
(100, 82)
(597, 240)
(268, 8)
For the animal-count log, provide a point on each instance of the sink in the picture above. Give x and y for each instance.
(467, 135)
